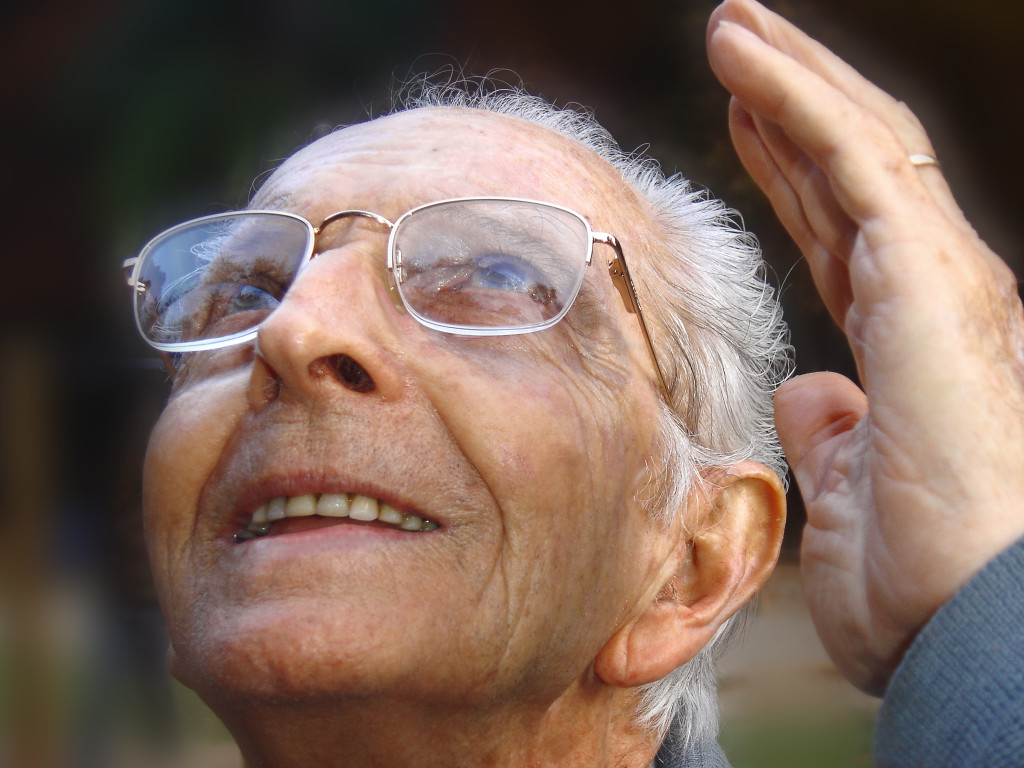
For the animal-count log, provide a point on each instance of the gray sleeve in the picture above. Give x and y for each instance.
(957, 699)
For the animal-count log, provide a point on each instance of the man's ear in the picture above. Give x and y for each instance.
(716, 568)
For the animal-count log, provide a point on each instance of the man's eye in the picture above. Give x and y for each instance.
(501, 272)
(250, 297)
(488, 290)
(220, 309)
(237, 304)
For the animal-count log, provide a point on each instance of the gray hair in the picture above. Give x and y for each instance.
(718, 332)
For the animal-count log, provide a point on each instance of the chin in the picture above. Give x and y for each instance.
(310, 651)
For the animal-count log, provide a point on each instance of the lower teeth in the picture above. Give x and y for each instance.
(254, 530)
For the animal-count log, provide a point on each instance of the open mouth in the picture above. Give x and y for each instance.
(329, 505)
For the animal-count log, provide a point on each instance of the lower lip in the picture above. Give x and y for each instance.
(304, 536)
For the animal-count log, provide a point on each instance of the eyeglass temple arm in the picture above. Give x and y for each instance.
(128, 268)
(619, 273)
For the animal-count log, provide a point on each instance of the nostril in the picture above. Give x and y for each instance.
(346, 370)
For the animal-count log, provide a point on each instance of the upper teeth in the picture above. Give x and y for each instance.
(356, 506)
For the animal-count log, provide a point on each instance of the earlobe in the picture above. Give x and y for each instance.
(739, 519)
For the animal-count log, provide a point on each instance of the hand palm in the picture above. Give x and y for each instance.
(915, 483)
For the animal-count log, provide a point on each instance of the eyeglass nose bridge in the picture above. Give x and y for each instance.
(337, 215)
(396, 298)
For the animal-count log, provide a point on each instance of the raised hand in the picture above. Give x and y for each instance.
(912, 485)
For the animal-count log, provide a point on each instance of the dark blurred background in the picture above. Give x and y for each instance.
(122, 118)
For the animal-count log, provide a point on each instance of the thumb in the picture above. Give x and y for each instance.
(810, 411)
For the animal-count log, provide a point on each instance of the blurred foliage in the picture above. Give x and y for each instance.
(799, 740)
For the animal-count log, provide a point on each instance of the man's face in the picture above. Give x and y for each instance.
(527, 451)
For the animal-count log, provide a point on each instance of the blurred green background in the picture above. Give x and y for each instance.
(123, 117)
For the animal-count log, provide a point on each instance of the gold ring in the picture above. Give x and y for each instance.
(922, 159)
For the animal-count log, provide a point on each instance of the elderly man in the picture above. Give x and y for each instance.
(438, 484)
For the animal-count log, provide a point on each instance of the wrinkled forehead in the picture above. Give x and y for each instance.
(427, 154)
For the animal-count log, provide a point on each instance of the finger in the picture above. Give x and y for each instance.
(792, 41)
(869, 174)
(817, 59)
(789, 39)
(871, 178)
(828, 222)
(862, 157)
(832, 233)
(831, 276)
(811, 412)
(764, 170)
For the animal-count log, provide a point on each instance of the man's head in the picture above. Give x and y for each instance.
(589, 538)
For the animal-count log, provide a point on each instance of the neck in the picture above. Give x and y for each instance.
(574, 731)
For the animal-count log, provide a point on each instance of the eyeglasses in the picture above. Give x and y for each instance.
(474, 266)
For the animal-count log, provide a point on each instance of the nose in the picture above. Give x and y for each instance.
(336, 331)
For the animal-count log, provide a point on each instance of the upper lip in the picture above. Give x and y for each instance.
(343, 445)
(260, 465)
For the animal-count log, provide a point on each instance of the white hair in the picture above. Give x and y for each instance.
(718, 334)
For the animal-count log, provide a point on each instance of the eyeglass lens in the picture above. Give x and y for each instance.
(218, 277)
(490, 265)
(480, 266)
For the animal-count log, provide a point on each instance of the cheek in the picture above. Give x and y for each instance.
(563, 462)
(184, 448)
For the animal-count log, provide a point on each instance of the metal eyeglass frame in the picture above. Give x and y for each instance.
(617, 270)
